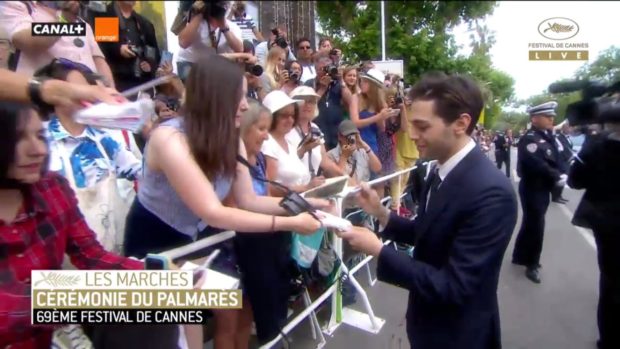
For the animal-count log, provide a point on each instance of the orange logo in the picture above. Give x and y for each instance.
(106, 29)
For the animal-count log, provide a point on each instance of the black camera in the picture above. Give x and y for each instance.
(142, 53)
(333, 52)
(315, 133)
(598, 104)
(280, 41)
(398, 99)
(293, 76)
(351, 139)
(254, 69)
(332, 71)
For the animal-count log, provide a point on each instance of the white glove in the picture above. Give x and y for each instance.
(562, 181)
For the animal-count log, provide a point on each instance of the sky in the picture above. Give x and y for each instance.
(515, 24)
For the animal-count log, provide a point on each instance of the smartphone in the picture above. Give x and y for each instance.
(156, 262)
(166, 56)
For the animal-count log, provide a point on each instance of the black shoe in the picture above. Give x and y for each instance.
(532, 274)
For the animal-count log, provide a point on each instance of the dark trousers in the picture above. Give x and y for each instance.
(528, 247)
(503, 157)
(265, 264)
(556, 193)
(608, 254)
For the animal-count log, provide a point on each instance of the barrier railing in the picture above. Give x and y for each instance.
(371, 323)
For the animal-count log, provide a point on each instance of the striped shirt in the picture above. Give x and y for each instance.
(247, 25)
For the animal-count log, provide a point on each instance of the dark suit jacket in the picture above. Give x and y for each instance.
(459, 245)
(597, 171)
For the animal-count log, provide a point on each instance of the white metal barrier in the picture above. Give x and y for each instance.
(371, 323)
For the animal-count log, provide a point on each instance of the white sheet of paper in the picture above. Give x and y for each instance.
(214, 280)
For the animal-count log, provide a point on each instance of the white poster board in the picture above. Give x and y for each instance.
(390, 67)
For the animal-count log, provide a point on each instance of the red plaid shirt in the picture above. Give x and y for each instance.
(48, 225)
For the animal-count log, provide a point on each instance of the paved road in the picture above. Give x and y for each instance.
(559, 313)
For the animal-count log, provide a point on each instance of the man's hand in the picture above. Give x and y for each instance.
(145, 66)
(562, 181)
(127, 52)
(369, 201)
(250, 59)
(363, 240)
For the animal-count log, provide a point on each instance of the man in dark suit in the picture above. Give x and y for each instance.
(465, 219)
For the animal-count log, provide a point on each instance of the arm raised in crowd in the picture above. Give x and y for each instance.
(16, 22)
(355, 115)
(14, 87)
(190, 32)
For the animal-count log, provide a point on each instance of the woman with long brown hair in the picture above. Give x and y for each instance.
(191, 167)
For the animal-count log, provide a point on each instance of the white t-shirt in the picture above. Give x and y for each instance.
(294, 137)
(202, 46)
(291, 171)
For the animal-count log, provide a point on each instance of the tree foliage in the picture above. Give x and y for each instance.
(419, 33)
(606, 67)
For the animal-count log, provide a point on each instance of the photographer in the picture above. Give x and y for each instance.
(596, 169)
(249, 30)
(325, 46)
(207, 32)
(329, 87)
(293, 70)
(134, 58)
(279, 38)
(353, 156)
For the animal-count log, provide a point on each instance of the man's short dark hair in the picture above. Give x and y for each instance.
(304, 39)
(453, 95)
(323, 39)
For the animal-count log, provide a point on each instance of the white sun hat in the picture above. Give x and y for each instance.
(276, 100)
(305, 92)
(375, 76)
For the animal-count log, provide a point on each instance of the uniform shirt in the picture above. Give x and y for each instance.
(88, 164)
(502, 142)
(202, 45)
(48, 225)
(538, 158)
(14, 18)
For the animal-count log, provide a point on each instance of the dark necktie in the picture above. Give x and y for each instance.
(435, 181)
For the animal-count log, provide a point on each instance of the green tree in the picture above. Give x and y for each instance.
(419, 33)
(606, 67)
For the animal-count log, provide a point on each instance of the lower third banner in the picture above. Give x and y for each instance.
(119, 316)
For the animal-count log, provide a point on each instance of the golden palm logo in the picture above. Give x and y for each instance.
(559, 28)
(58, 280)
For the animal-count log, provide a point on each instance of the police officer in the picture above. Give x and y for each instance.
(538, 165)
(565, 147)
(503, 142)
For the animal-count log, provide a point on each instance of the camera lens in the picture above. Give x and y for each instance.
(256, 70)
(293, 76)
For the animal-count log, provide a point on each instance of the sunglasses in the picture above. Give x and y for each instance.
(304, 47)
